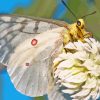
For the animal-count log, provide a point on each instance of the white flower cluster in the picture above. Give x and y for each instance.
(78, 69)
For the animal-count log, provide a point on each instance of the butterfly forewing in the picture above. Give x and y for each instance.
(28, 66)
(14, 30)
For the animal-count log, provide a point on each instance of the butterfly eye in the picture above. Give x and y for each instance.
(34, 42)
(78, 23)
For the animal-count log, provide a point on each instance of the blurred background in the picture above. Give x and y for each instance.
(52, 9)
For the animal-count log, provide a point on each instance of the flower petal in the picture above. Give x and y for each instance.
(90, 83)
(94, 49)
(70, 85)
(89, 64)
(70, 45)
(65, 56)
(83, 92)
(70, 91)
(77, 78)
(78, 46)
(66, 64)
(81, 55)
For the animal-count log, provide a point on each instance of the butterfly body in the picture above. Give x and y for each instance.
(76, 31)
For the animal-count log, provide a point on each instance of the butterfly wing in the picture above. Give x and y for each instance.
(15, 29)
(29, 66)
(56, 94)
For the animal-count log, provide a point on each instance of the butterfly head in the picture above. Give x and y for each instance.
(82, 33)
(80, 24)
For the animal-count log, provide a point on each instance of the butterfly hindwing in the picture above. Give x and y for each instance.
(29, 66)
(56, 94)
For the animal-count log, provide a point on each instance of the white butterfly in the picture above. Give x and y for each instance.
(28, 47)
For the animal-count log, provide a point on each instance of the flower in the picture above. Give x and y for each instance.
(78, 69)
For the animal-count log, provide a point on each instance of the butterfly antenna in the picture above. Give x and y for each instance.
(89, 14)
(65, 4)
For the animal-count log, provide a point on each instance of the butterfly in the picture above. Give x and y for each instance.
(28, 47)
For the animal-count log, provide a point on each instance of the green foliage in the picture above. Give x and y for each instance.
(93, 22)
(77, 7)
(38, 8)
